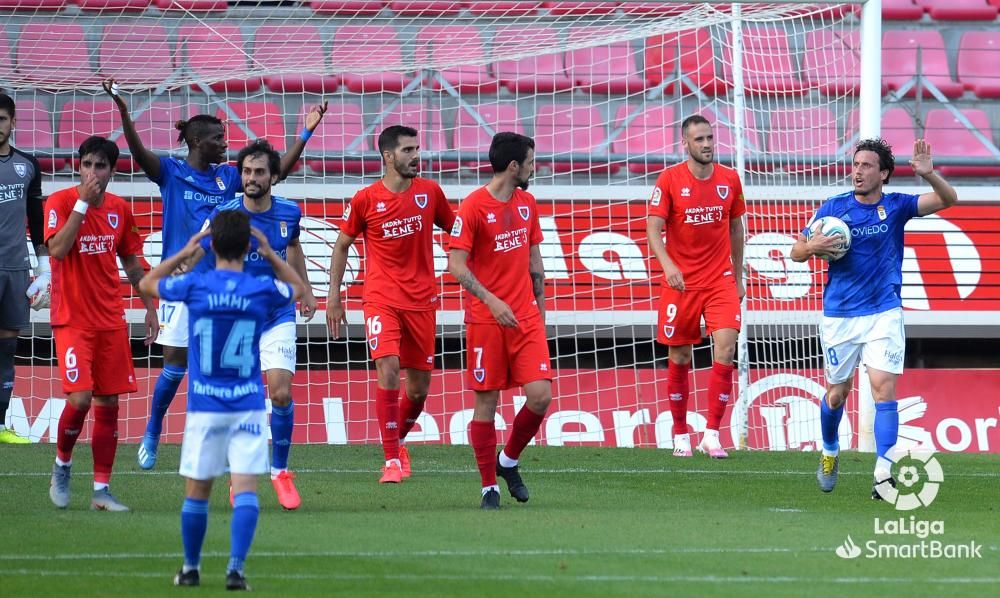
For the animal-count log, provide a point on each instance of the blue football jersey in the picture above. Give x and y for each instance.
(868, 279)
(189, 196)
(280, 225)
(226, 315)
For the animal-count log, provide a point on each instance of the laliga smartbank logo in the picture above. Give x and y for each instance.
(918, 478)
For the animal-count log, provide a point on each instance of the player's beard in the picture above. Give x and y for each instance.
(701, 159)
(262, 191)
(408, 171)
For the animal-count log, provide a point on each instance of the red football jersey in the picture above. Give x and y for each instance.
(86, 290)
(497, 236)
(697, 215)
(399, 241)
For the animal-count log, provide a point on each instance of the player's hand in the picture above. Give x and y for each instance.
(821, 244)
(307, 303)
(40, 291)
(921, 161)
(315, 115)
(152, 327)
(502, 313)
(194, 244)
(263, 247)
(741, 289)
(111, 88)
(335, 316)
(90, 189)
(674, 277)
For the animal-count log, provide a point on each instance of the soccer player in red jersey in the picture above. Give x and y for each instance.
(495, 257)
(88, 229)
(396, 215)
(700, 203)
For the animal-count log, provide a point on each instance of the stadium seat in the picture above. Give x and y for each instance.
(959, 10)
(977, 70)
(580, 8)
(339, 129)
(418, 9)
(345, 8)
(365, 47)
(831, 61)
(264, 119)
(896, 128)
(949, 138)
(113, 5)
(34, 134)
(32, 5)
(79, 119)
(472, 138)
(768, 68)
(503, 8)
(609, 68)
(653, 132)
(810, 133)
(214, 53)
(544, 73)
(901, 10)
(450, 44)
(136, 53)
(425, 119)
(193, 5)
(54, 53)
(294, 53)
(725, 140)
(691, 50)
(573, 133)
(899, 61)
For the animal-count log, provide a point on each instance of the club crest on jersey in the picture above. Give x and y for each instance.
(373, 343)
(723, 191)
(421, 200)
(524, 211)
(21, 170)
(113, 219)
(479, 374)
(881, 213)
(283, 229)
(220, 183)
(668, 331)
(72, 374)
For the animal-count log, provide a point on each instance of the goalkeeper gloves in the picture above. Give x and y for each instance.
(40, 291)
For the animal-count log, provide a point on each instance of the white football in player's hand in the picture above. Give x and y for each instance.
(831, 226)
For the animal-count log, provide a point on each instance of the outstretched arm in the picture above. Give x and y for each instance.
(148, 161)
(944, 195)
(295, 152)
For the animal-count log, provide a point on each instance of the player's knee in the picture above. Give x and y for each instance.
(281, 396)
(835, 397)
(175, 356)
(417, 396)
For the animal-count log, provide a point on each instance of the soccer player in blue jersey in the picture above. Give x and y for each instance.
(862, 307)
(277, 219)
(226, 419)
(190, 189)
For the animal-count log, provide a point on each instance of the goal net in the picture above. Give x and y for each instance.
(602, 87)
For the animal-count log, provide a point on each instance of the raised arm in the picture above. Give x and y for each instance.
(297, 260)
(335, 315)
(654, 236)
(459, 267)
(149, 285)
(536, 268)
(295, 152)
(944, 195)
(148, 161)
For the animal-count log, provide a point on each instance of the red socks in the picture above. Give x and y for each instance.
(526, 424)
(483, 436)
(387, 411)
(105, 442)
(408, 414)
(720, 386)
(70, 426)
(678, 390)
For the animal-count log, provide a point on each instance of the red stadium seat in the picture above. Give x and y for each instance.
(451, 44)
(653, 131)
(294, 53)
(80, 119)
(341, 127)
(6, 58)
(978, 56)
(113, 5)
(767, 63)
(50, 53)
(192, 5)
(32, 5)
(725, 139)
(805, 133)
(367, 47)
(896, 128)
(901, 10)
(959, 10)
(34, 134)
(503, 8)
(831, 61)
(899, 61)
(405, 7)
(264, 119)
(426, 120)
(536, 73)
(473, 138)
(609, 68)
(136, 53)
(949, 138)
(214, 53)
(691, 50)
(346, 8)
(581, 8)
(567, 131)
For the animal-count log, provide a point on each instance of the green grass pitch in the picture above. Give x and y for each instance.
(600, 522)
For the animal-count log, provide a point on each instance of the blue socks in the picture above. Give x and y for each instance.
(886, 427)
(194, 523)
(245, 511)
(163, 394)
(282, 419)
(829, 422)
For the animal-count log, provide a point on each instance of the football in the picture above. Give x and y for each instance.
(831, 226)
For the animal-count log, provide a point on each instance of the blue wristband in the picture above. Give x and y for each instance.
(305, 135)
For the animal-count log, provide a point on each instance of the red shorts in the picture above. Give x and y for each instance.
(498, 357)
(679, 314)
(96, 360)
(406, 334)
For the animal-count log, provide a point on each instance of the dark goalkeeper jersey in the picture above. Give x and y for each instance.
(20, 193)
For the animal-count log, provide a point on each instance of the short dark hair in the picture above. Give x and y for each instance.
(7, 103)
(886, 161)
(231, 234)
(694, 119)
(508, 147)
(100, 145)
(257, 147)
(388, 139)
(194, 127)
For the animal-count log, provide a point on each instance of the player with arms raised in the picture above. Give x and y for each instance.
(700, 203)
(226, 420)
(862, 307)
(495, 257)
(396, 216)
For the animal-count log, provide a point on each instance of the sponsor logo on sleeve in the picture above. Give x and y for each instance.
(657, 196)
(456, 229)
(347, 213)
(53, 219)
